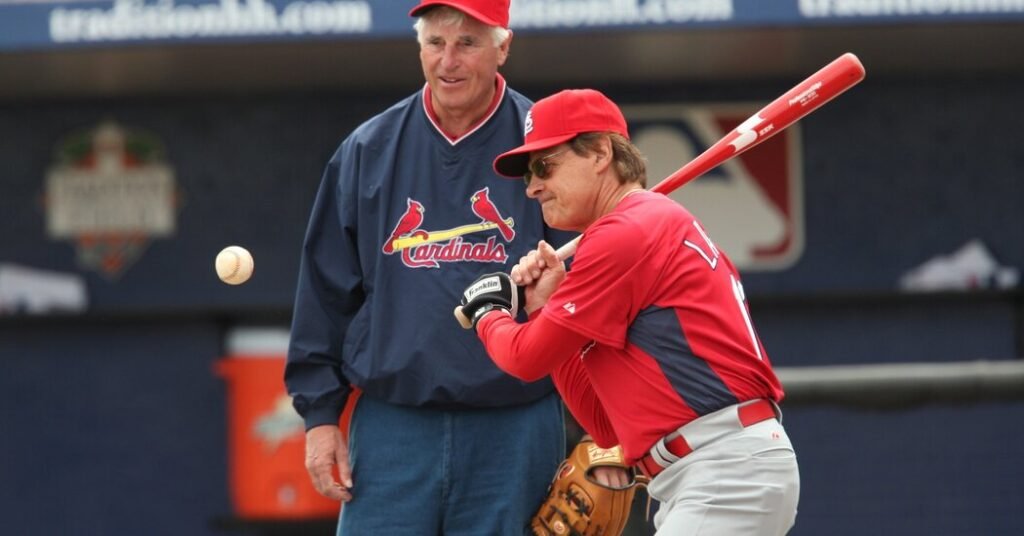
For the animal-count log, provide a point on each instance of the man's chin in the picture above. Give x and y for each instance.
(450, 94)
(555, 222)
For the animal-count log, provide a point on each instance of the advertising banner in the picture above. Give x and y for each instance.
(34, 24)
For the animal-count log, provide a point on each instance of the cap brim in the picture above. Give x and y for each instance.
(425, 6)
(515, 163)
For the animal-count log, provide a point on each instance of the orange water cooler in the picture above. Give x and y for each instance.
(266, 442)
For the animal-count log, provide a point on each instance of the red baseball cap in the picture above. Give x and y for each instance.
(558, 119)
(489, 12)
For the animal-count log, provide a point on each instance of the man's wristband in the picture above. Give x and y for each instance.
(486, 308)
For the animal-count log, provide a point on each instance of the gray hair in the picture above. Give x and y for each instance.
(449, 16)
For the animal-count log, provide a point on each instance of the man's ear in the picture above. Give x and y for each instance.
(603, 153)
(503, 49)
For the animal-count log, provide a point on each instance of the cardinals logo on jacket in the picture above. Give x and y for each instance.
(421, 248)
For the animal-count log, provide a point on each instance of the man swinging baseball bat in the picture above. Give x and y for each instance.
(649, 339)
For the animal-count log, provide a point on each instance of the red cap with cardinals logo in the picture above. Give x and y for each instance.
(558, 119)
(489, 12)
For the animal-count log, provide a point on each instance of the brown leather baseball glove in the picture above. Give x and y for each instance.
(579, 506)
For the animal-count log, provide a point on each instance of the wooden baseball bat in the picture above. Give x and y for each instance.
(828, 83)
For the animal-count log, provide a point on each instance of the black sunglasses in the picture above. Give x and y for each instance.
(539, 168)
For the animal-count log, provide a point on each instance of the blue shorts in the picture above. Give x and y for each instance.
(424, 472)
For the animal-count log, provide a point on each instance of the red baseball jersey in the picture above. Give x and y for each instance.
(649, 330)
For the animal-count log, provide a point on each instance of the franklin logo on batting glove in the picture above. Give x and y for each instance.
(491, 284)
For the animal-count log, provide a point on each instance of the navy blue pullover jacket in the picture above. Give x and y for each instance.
(403, 221)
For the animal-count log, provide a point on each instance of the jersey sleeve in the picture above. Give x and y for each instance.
(540, 347)
(608, 281)
(327, 297)
(527, 351)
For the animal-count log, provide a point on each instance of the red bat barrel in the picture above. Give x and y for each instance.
(828, 83)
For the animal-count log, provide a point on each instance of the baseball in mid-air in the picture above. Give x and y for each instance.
(234, 265)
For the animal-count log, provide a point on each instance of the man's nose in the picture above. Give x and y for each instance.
(534, 188)
(450, 57)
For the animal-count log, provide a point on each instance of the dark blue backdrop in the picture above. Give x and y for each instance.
(115, 424)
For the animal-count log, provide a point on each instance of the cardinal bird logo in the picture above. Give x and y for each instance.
(409, 222)
(485, 209)
(428, 248)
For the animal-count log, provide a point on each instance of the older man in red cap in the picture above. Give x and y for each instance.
(649, 338)
(410, 210)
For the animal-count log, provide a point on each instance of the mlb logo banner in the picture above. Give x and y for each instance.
(751, 205)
